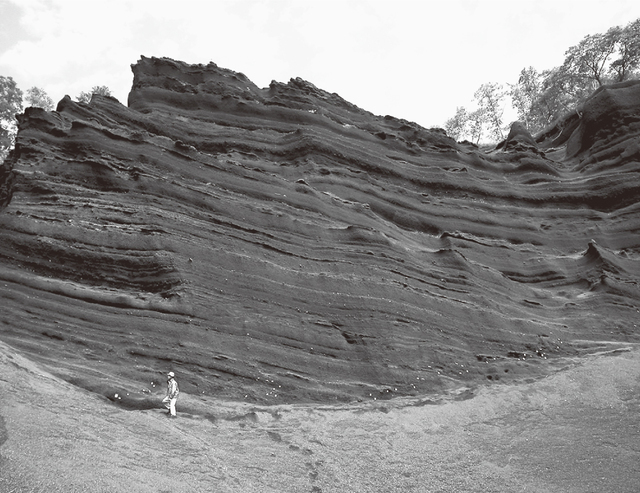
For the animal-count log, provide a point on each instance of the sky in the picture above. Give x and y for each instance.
(415, 60)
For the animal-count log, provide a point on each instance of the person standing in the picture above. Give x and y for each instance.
(172, 394)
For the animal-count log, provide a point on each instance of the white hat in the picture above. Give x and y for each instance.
(170, 374)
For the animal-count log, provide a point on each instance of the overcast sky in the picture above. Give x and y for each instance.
(416, 60)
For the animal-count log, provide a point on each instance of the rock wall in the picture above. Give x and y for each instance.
(282, 244)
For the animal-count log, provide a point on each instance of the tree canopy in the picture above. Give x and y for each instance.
(486, 119)
(539, 98)
(38, 98)
(85, 97)
(10, 105)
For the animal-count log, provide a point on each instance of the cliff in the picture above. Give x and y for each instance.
(281, 244)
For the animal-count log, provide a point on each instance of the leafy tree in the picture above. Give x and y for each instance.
(526, 98)
(489, 97)
(628, 60)
(597, 60)
(486, 118)
(541, 98)
(477, 121)
(10, 105)
(560, 94)
(85, 97)
(457, 126)
(587, 62)
(38, 98)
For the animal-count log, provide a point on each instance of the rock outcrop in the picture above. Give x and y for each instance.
(282, 244)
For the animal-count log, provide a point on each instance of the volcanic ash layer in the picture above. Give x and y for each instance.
(282, 244)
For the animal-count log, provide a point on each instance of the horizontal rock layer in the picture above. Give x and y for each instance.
(283, 244)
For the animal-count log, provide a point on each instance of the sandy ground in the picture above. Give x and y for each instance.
(577, 430)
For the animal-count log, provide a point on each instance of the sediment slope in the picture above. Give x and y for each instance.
(571, 432)
(281, 244)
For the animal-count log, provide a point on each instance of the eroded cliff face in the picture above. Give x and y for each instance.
(281, 244)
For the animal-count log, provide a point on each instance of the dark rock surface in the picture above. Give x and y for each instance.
(281, 244)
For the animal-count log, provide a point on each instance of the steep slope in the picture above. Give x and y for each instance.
(281, 244)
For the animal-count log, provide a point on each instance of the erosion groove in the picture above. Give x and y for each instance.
(282, 238)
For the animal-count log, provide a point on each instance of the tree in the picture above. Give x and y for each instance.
(560, 94)
(477, 121)
(456, 127)
(489, 97)
(525, 95)
(38, 98)
(486, 118)
(597, 60)
(85, 97)
(628, 50)
(10, 105)
(587, 62)
(542, 98)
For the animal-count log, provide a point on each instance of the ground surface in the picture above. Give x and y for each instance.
(576, 431)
